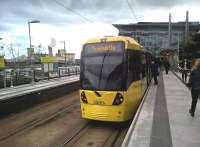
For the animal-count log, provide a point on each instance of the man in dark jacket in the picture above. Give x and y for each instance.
(184, 69)
(195, 86)
(154, 71)
(166, 65)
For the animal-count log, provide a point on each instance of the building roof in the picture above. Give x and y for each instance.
(151, 26)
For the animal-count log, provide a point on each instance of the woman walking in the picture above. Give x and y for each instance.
(154, 71)
(194, 82)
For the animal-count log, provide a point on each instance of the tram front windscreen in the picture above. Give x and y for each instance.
(102, 66)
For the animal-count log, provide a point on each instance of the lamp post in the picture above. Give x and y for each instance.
(29, 22)
(29, 30)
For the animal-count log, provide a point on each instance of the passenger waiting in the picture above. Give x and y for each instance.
(194, 83)
(184, 69)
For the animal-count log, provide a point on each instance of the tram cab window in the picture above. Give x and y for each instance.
(134, 66)
(103, 69)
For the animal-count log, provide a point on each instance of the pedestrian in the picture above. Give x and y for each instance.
(154, 71)
(184, 69)
(194, 83)
(159, 63)
(166, 65)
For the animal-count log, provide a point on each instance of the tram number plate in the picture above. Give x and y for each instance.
(99, 102)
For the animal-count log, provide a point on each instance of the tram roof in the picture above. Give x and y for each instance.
(130, 43)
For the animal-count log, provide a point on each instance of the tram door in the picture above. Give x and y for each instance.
(134, 76)
(143, 72)
(148, 68)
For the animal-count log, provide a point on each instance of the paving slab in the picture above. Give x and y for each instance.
(164, 120)
(185, 130)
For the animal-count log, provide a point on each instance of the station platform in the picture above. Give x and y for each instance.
(12, 92)
(179, 75)
(163, 118)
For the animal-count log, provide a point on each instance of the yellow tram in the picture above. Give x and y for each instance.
(115, 72)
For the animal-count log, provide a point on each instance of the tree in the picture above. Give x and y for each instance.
(191, 47)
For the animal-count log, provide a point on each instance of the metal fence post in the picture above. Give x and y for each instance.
(16, 77)
(58, 72)
(48, 72)
(4, 78)
(68, 71)
(11, 81)
(34, 75)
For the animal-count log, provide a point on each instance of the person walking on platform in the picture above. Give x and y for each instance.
(184, 69)
(154, 71)
(194, 83)
(166, 65)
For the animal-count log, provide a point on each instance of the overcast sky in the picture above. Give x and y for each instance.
(75, 21)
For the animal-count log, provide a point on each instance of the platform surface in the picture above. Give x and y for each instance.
(7, 93)
(164, 120)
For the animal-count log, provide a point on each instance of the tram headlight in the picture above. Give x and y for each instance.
(118, 99)
(83, 97)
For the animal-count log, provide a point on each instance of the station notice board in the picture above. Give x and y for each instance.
(48, 62)
(49, 59)
(2, 62)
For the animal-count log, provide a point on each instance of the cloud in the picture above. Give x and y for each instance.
(162, 3)
(50, 12)
(157, 3)
(68, 20)
(4, 28)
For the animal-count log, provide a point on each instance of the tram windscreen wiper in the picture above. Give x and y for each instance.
(100, 77)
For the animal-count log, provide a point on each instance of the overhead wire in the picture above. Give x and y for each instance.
(73, 11)
(132, 10)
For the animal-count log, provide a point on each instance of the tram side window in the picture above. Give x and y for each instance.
(143, 65)
(134, 66)
(148, 63)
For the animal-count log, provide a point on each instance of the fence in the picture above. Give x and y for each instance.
(11, 77)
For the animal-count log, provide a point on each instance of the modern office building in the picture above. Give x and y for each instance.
(158, 36)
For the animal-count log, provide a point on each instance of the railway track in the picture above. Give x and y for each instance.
(98, 134)
(40, 121)
(60, 125)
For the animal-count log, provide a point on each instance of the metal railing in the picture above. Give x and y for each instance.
(11, 77)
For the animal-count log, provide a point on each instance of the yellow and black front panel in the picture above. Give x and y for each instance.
(103, 105)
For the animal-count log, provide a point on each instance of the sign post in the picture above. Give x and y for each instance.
(48, 63)
(2, 63)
